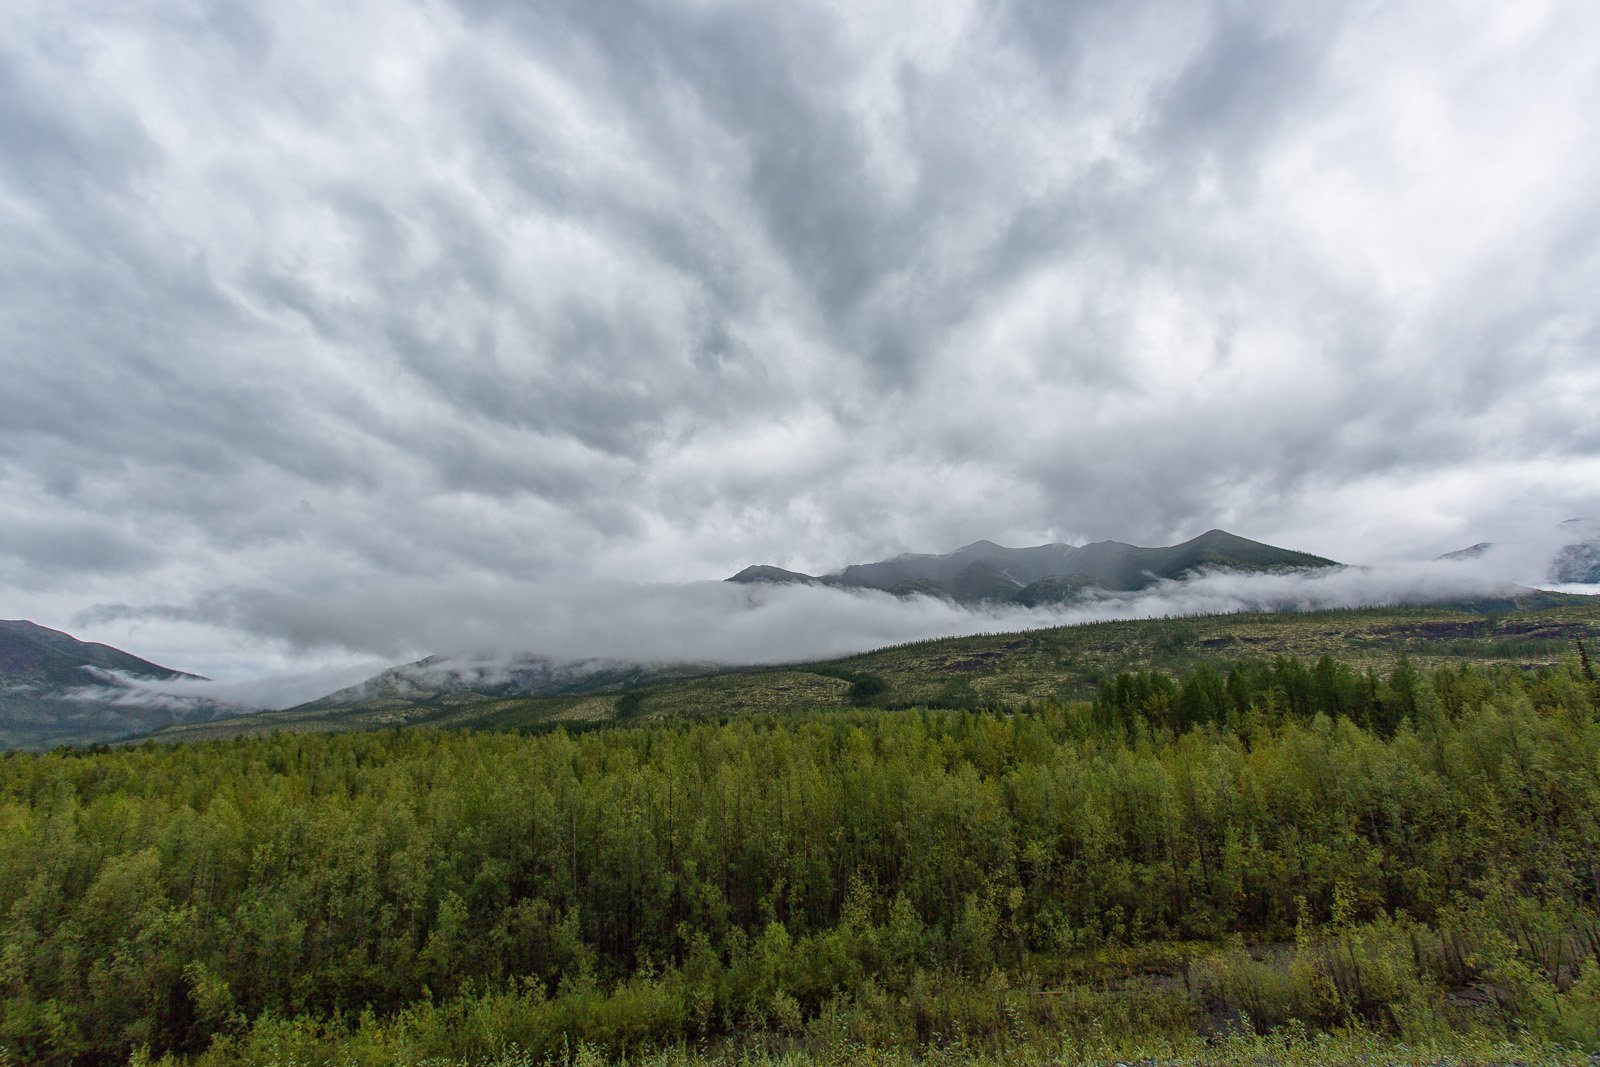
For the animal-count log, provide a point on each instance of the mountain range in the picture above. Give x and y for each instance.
(55, 689)
(984, 572)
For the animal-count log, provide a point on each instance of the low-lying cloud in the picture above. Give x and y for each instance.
(586, 627)
(188, 695)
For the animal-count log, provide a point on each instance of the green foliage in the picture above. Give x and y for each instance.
(1410, 853)
(865, 687)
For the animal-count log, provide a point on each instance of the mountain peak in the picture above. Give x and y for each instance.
(980, 546)
(761, 572)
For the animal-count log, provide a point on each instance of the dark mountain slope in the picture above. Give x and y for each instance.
(1057, 589)
(1022, 565)
(1220, 549)
(982, 580)
(56, 689)
(1577, 564)
(762, 573)
(37, 655)
(1015, 574)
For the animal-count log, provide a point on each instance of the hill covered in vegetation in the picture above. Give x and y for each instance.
(998, 670)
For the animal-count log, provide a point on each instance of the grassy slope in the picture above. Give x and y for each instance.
(1062, 663)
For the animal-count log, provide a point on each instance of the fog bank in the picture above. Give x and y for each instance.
(539, 629)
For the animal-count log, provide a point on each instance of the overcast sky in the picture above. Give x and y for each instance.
(330, 330)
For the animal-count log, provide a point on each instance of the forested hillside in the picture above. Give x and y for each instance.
(1062, 663)
(1286, 845)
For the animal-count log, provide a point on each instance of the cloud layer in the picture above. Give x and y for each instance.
(582, 628)
(331, 332)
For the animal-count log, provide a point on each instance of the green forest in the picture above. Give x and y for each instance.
(1271, 855)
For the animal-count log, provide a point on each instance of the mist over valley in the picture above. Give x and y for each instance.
(591, 637)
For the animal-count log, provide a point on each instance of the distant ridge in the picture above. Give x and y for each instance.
(762, 573)
(1470, 552)
(56, 689)
(984, 572)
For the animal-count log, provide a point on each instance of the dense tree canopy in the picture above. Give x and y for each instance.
(755, 868)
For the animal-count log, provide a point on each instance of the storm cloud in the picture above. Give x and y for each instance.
(368, 330)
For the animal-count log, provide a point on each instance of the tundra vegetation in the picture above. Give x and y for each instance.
(1279, 860)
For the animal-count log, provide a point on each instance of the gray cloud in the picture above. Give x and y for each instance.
(315, 320)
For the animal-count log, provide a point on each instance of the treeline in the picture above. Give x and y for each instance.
(1255, 695)
(653, 884)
